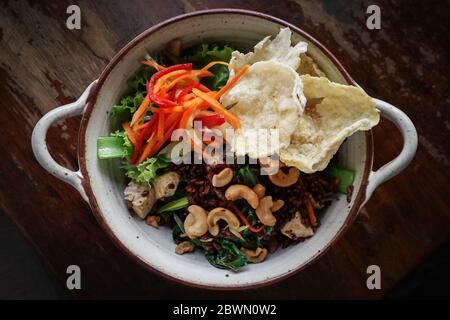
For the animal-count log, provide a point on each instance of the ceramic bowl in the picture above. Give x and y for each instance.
(101, 183)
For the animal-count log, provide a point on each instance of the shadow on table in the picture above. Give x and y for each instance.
(22, 273)
(431, 280)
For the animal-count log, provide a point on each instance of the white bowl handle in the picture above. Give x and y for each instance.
(409, 134)
(39, 141)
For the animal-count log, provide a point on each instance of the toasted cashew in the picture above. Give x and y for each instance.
(260, 190)
(264, 212)
(256, 256)
(281, 179)
(221, 214)
(184, 247)
(223, 178)
(153, 221)
(277, 205)
(195, 224)
(240, 191)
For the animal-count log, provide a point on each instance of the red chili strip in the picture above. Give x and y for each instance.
(162, 102)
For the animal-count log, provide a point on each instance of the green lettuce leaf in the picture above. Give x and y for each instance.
(203, 54)
(146, 171)
(229, 257)
(133, 97)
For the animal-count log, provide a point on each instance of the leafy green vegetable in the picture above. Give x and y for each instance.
(147, 170)
(203, 54)
(259, 241)
(247, 233)
(176, 233)
(138, 82)
(229, 257)
(270, 230)
(248, 176)
(251, 216)
(179, 222)
(345, 176)
(174, 205)
(220, 78)
(117, 145)
(134, 95)
(160, 58)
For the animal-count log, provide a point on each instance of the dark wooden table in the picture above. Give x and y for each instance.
(43, 65)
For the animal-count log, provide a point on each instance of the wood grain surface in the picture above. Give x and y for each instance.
(44, 65)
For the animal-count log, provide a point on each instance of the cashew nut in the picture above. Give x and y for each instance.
(221, 214)
(240, 191)
(153, 221)
(264, 212)
(184, 247)
(277, 205)
(260, 190)
(195, 224)
(259, 255)
(281, 179)
(223, 178)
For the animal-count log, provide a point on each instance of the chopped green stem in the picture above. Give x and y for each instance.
(110, 147)
(174, 205)
(345, 177)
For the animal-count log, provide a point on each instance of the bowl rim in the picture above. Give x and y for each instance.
(359, 197)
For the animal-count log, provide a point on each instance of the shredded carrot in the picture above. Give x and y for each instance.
(245, 220)
(172, 118)
(189, 81)
(140, 126)
(140, 112)
(232, 82)
(148, 148)
(217, 107)
(189, 97)
(161, 81)
(153, 64)
(160, 130)
(213, 63)
(204, 113)
(184, 122)
(196, 101)
(167, 110)
(311, 215)
(172, 126)
(200, 86)
(155, 144)
(137, 129)
(129, 132)
(193, 73)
